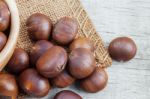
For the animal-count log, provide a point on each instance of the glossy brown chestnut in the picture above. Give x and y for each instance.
(122, 49)
(81, 63)
(82, 42)
(4, 16)
(8, 85)
(66, 94)
(3, 40)
(95, 82)
(19, 61)
(52, 62)
(63, 80)
(39, 26)
(33, 83)
(65, 30)
(38, 49)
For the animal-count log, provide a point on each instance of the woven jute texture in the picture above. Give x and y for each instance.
(56, 9)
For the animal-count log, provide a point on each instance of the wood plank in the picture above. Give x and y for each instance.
(114, 18)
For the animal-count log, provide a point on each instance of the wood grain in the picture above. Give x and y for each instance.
(113, 18)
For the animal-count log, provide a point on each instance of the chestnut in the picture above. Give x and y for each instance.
(82, 42)
(33, 83)
(52, 62)
(19, 61)
(81, 63)
(65, 30)
(3, 40)
(4, 16)
(39, 26)
(63, 80)
(95, 82)
(122, 49)
(66, 94)
(38, 49)
(8, 85)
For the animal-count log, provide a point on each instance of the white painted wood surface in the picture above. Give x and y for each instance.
(113, 18)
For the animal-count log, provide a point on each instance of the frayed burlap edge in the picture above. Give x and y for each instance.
(56, 9)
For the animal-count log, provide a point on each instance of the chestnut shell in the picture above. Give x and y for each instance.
(82, 42)
(66, 94)
(33, 83)
(52, 62)
(122, 49)
(39, 26)
(4, 16)
(65, 30)
(63, 80)
(38, 49)
(8, 85)
(81, 63)
(19, 61)
(3, 40)
(95, 82)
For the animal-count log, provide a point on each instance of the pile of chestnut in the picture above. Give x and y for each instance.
(56, 59)
(4, 23)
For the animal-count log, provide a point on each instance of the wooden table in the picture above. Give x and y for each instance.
(113, 18)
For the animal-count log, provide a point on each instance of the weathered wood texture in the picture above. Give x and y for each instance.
(113, 18)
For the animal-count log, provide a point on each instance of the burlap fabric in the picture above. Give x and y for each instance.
(56, 9)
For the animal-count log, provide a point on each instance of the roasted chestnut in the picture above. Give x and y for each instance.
(3, 40)
(33, 83)
(95, 82)
(8, 86)
(122, 49)
(81, 63)
(63, 80)
(66, 94)
(39, 26)
(38, 49)
(19, 61)
(4, 16)
(52, 62)
(65, 30)
(82, 42)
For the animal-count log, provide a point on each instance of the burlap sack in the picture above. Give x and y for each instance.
(56, 9)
